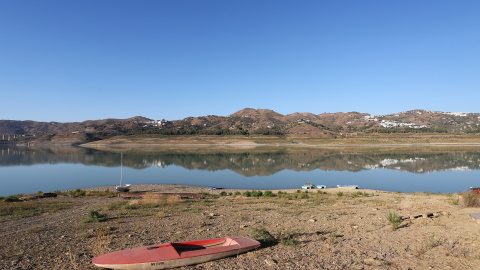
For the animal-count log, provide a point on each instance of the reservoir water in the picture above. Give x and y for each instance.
(426, 169)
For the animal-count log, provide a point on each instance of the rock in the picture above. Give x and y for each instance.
(270, 262)
(355, 227)
(49, 195)
(12, 200)
(427, 215)
(369, 260)
(312, 220)
(211, 214)
(243, 226)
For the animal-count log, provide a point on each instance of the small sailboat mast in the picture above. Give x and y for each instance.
(121, 187)
(121, 168)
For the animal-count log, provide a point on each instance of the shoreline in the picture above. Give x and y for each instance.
(172, 188)
(315, 230)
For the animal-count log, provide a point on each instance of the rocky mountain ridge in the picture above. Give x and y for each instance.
(253, 122)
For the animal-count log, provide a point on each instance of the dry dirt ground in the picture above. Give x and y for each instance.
(327, 230)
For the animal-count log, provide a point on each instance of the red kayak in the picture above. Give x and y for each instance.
(175, 254)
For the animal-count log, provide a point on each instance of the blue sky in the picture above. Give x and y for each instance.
(71, 61)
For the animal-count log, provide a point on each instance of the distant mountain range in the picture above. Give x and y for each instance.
(252, 121)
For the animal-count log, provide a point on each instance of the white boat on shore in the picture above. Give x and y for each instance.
(124, 187)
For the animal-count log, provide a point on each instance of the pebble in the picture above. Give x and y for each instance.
(270, 262)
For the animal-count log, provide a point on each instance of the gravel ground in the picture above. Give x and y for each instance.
(329, 231)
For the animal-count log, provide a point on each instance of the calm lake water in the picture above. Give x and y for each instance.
(427, 169)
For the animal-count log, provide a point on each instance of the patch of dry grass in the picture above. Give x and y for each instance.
(99, 244)
(31, 208)
(470, 199)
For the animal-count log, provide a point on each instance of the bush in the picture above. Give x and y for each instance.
(237, 193)
(223, 193)
(268, 194)
(263, 235)
(257, 193)
(339, 194)
(290, 239)
(394, 220)
(247, 194)
(77, 193)
(95, 216)
(470, 199)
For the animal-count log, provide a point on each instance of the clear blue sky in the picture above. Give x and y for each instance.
(71, 61)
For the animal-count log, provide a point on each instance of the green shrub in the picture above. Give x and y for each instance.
(263, 235)
(304, 195)
(257, 193)
(268, 194)
(339, 194)
(77, 193)
(237, 193)
(247, 193)
(290, 239)
(223, 193)
(394, 220)
(94, 217)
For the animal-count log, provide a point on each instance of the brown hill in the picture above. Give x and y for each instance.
(254, 121)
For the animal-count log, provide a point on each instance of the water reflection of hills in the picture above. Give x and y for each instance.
(250, 162)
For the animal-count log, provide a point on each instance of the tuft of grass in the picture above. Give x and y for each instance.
(77, 193)
(453, 200)
(339, 194)
(333, 238)
(94, 217)
(263, 235)
(117, 205)
(160, 214)
(394, 220)
(360, 194)
(36, 229)
(289, 239)
(105, 193)
(428, 243)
